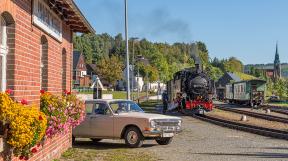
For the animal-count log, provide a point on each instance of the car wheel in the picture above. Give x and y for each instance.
(164, 141)
(133, 137)
(95, 140)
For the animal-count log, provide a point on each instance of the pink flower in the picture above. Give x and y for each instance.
(24, 102)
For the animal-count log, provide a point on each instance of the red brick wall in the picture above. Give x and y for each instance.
(24, 75)
(23, 64)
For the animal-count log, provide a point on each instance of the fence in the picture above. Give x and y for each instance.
(83, 89)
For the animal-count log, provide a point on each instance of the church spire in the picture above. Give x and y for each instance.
(277, 64)
(277, 59)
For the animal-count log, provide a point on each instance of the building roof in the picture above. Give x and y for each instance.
(71, 14)
(76, 57)
(244, 76)
(234, 76)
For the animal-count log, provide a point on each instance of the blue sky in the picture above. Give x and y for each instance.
(246, 29)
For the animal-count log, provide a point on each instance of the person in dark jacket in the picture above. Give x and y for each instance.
(165, 102)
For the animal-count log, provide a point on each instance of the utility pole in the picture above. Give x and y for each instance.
(133, 64)
(127, 52)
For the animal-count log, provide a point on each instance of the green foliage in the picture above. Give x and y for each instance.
(278, 87)
(110, 69)
(233, 65)
(214, 72)
(163, 59)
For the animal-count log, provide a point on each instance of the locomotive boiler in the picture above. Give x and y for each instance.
(194, 85)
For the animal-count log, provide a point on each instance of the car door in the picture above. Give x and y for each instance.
(83, 130)
(102, 121)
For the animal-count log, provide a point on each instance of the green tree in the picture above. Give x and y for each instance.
(280, 88)
(233, 65)
(110, 69)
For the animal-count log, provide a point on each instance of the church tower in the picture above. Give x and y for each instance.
(277, 64)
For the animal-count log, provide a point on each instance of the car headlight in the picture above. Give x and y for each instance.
(179, 122)
(152, 124)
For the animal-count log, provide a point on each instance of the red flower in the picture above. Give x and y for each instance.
(24, 102)
(26, 158)
(65, 91)
(40, 117)
(68, 93)
(9, 91)
(34, 150)
(38, 145)
(21, 157)
(42, 91)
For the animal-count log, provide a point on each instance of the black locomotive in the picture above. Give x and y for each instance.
(195, 85)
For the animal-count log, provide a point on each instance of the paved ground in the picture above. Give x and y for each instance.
(201, 141)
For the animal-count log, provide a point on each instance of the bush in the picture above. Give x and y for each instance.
(27, 125)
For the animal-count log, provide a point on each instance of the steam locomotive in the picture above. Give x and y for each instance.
(195, 86)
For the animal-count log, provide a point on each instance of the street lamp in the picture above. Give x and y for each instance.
(127, 52)
(133, 63)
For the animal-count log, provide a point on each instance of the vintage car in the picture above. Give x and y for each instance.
(124, 119)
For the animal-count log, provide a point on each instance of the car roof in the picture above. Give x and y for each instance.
(104, 100)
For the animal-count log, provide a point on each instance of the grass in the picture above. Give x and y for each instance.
(77, 154)
(118, 94)
(150, 105)
(279, 104)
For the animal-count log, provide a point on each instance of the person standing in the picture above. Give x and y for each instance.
(165, 102)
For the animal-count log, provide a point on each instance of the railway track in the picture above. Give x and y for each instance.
(244, 127)
(254, 114)
(277, 110)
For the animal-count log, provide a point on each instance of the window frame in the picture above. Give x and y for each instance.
(3, 52)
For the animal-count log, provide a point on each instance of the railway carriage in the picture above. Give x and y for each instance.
(250, 92)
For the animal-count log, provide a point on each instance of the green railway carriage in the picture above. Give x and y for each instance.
(250, 92)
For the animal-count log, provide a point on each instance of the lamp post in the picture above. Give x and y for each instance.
(127, 52)
(133, 63)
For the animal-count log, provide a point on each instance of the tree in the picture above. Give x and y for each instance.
(110, 69)
(233, 65)
(214, 72)
(280, 88)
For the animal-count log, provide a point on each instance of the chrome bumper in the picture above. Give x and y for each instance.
(159, 133)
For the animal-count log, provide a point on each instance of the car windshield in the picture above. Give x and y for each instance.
(125, 106)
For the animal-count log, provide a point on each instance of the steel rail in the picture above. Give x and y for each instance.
(244, 127)
(254, 114)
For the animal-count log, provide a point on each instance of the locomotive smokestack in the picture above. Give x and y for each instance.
(195, 56)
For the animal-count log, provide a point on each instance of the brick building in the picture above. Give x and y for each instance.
(36, 52)
(80, 77)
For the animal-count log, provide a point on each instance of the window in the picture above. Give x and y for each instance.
(64, 61)
(3, 53)
(44, 63)
(101, 109)
(89, 108)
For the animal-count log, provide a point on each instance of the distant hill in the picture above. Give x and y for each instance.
(284, 68)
